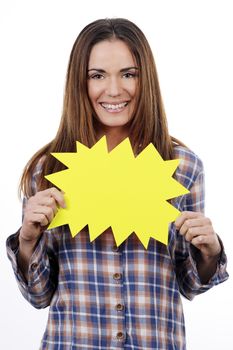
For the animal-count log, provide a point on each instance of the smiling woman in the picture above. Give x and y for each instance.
(102, 296)
(132, 58)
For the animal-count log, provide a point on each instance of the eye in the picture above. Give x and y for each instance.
(129, 75)
(96, 76)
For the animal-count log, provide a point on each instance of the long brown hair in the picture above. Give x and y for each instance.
(148, 124)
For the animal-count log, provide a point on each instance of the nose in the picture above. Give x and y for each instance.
(113, 88)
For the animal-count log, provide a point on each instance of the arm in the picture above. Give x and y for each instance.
(39, 211)
(198, 230)
(42, 271)
(32, 250)
(198, 254)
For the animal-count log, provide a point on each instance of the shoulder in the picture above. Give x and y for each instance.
(190, 166)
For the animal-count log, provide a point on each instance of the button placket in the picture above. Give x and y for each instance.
(119, 306)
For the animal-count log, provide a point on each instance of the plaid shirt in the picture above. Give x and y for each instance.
(104, 297)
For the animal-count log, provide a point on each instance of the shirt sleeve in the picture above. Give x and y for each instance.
(42, 272)
(43, 266)
(191, 175)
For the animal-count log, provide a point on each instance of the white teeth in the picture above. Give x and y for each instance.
(109, 106)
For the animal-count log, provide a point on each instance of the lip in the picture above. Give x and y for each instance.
(114, 102)
(112, 107)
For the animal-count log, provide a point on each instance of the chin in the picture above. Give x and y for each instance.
(114, 122)
(114, 125)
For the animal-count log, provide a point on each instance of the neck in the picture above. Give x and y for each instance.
(114, 135)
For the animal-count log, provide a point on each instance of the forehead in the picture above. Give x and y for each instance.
(110, 53)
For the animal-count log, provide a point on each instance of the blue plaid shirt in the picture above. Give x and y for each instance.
(104, 297)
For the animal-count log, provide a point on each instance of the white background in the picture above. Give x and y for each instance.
(192, 44)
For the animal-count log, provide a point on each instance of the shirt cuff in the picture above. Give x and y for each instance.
(35, 266)
(12, 246)
(220, 274)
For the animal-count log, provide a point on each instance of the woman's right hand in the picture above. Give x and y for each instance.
(39, 212)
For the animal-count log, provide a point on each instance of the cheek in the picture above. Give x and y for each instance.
(93, 92)
(132, 89)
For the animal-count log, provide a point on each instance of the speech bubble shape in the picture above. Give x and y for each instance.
(118, 190)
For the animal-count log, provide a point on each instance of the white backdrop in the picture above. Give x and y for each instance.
(192, 43)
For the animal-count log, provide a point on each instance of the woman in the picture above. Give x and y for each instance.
(101, 296)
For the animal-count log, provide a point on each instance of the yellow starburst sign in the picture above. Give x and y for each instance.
(118, 190)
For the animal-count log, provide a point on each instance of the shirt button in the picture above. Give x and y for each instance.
(34, 266)
(120, 336)
(119, 307)
(117, 276)
(115, 249)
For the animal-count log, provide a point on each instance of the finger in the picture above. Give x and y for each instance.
(198, 240)
(193, 232)
(50, 202)
(44, 210)
(202, 221)
(39, 218)
(190, 223)
(58, 196)
(208, 246)
(186, 215)
(47, 211)
(52, 197)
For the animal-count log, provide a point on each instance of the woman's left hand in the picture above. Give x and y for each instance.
(198, 230)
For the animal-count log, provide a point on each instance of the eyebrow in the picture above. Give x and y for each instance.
(103, 71)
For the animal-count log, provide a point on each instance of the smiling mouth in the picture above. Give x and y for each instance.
(114, 107)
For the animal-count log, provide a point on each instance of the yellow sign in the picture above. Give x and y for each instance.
(117, 189)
